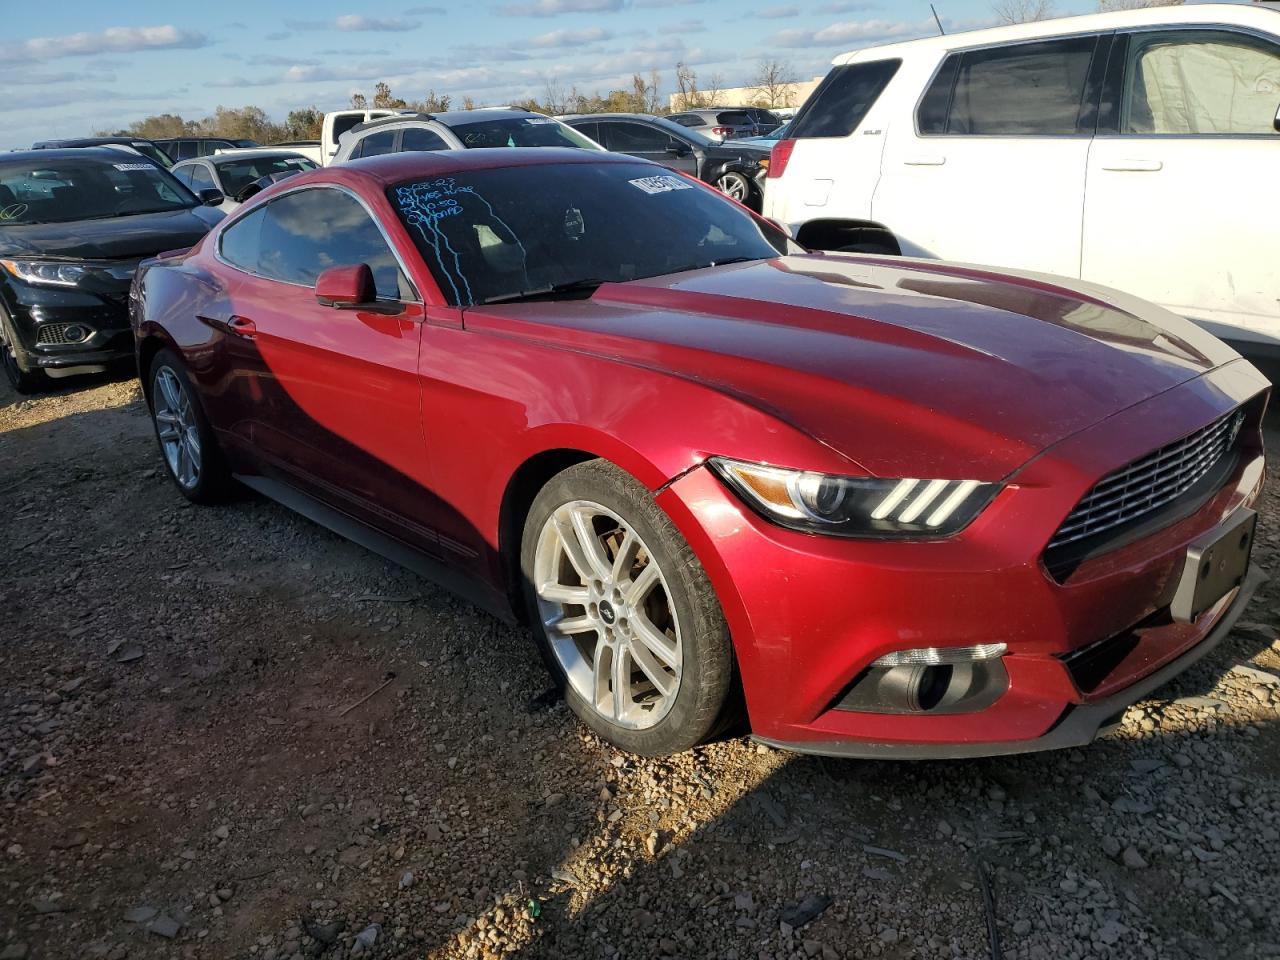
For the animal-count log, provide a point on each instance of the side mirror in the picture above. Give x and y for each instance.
(679, 150)
(210, 197)
(346, 288)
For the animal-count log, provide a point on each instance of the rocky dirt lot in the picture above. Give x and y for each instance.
(227, 733)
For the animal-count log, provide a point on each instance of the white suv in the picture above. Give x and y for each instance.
(458, 130)
(1140, 150)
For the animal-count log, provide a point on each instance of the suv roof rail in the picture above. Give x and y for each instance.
(393, 118)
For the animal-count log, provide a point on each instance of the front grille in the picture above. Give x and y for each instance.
(1150, 483)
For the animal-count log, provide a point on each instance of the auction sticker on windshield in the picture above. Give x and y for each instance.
(661, 184)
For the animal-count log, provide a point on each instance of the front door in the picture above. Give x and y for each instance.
(1182, 204)
(338, 389)
(648, 143)
(993, 170)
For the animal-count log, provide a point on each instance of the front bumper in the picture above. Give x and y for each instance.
(39, 318)
(810, 614)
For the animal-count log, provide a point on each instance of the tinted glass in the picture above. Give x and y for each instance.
(1031, 89)
(184, 150)
(689, 120)
(634, 138)
(588, 128)
(934, 106)
(152, 152)
(417, 138)
(239, 244)
(376, 144)
(1201, 83)
(519, 132)
(238, 174)
(734, 118)
(843, 99)
(201, 178)
(87, 188)
(309, 231)
(499, 232)
(342, 124)
(183, 174)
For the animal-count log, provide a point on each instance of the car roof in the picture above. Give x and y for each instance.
(392, 168)
(1250, 15)
(447, 117)
(87, 142)
(67, 153)
(250, 153)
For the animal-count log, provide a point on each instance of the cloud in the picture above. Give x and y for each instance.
(569, 38)
(853, 32)
(553, 8)
(426, 11)
(356, 22)
(111, 40)
(778, 13)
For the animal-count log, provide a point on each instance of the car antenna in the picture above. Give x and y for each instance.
(937, 20)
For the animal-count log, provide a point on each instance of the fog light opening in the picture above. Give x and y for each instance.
(75, 333)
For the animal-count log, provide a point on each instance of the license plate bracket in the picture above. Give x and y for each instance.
(1214, 566)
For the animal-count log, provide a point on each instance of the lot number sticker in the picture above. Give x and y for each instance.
(661, 184)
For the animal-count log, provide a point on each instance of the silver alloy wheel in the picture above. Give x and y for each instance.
(608, 614)
(735, 186)
(177, 429)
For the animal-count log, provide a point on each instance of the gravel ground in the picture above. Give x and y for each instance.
(227, 733)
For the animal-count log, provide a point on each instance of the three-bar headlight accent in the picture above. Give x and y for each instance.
(856, 506)
(48, 273)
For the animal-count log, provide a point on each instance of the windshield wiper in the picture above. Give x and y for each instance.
(716, 263)
(586, 285)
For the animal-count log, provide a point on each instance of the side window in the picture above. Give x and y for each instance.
(201, 178)
(1029, 89)
(184, 150)
(1200, 83)
(589, 128)
(307, 231)
(183, 174)
(634, 138)
(342, 124)
(843, 99)
(734, 118)
(689, 120)
(375, 144)
(418, 138)
(239, 244)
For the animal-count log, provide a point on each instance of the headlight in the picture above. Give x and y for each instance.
(856, 506)
(48, 273)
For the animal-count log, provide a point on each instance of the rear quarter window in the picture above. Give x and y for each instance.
(843, 99)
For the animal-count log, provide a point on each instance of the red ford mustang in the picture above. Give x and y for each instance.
(886, 507)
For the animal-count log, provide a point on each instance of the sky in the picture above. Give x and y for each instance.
(79, 66)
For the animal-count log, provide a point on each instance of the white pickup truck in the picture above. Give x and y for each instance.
(339, 122)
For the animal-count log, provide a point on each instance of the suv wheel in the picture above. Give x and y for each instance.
(21, 379)
(624, 614)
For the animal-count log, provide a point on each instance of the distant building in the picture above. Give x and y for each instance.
(793, 95)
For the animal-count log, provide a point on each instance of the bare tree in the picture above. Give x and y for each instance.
(1023, 11)
(775, 84)
(687, 95)
(1106, 6)
(655, 102)
(711, 95)
(553, 96)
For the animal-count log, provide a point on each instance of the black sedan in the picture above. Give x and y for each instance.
(73, 226)
(736, 169)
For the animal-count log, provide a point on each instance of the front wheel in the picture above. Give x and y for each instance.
(624, 613)
(21, 379)
(735, 186)
(187, 444)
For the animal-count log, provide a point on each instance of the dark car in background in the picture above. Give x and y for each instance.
(735, 169)
(73, 226)
(184, 148)
(147, 148)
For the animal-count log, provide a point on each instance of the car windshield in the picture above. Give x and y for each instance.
(90, 188)
(551, 230)
(238, 174)
(519, 132)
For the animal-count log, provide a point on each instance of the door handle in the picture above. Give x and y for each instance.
(242, 327)
(925, 160)
(1134, 166)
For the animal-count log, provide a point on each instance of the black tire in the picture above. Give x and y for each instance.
(213, 482)
(22, 380)
(703, 703)
(737, 186)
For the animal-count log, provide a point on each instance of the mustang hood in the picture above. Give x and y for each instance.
(110, 238)
(905, 367)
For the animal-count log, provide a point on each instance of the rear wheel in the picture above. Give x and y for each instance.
(187, 444)
(735, 186)
(624, 614)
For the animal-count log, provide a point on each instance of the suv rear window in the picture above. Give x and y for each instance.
(843, 99)
(1030, 89)
(734, 118)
